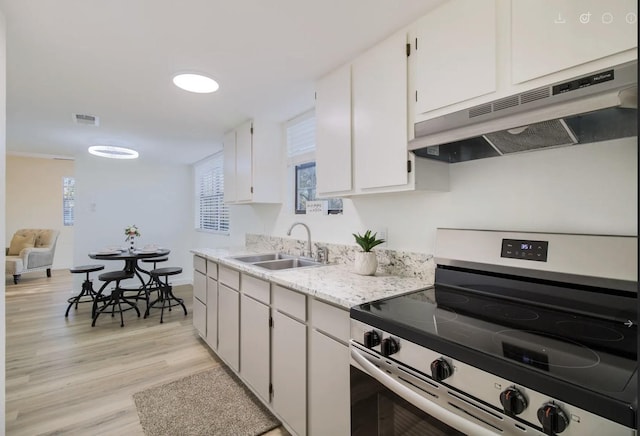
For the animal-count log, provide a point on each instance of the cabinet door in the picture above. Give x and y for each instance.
(254, 345)
(244, 176)
(289, 371)
(551, 35)
(329, 397)
(455, 54)
(212, 313)
(229, 326)
(380, 114)
(200, 318)
(200, 303)
(333, 132)
(229, 170)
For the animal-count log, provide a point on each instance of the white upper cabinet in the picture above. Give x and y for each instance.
(363, 127)
(253, 163)
(380, 114)
(229, 170)
(548, 36)
(455, 50)
(333, 132)
(244, 160)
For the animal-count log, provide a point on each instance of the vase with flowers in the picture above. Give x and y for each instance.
(131, 232)
(366, 261)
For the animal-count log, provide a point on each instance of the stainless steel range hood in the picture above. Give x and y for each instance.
(591, 108)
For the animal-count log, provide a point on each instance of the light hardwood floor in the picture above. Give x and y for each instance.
(65, 377)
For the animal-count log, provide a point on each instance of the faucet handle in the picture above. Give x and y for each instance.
(322, 255)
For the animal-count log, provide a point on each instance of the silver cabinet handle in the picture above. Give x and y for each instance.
(419, 401)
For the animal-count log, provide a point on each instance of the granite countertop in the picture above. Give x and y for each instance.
(334, 283)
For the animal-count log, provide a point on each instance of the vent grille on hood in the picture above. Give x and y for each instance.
(536, 136)
(597, 107)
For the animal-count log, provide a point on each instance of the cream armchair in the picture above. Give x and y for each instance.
(31, 250)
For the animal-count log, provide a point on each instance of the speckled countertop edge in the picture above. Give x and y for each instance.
(335, 284)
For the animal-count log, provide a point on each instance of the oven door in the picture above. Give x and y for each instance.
(388, 399)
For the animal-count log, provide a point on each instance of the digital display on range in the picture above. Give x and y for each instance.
(526, 250)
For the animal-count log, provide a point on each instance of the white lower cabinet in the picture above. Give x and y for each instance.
(328, 373)
(200, 296)
(229, 326)
(329, 396)
(289, 370)
(255, 345)
(292, 351)
(212, 313)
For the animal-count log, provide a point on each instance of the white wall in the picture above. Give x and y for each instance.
(34, 200)
(590, 188)
(113, 194)
(3, 147)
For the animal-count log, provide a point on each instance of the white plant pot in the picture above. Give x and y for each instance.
(365, 263)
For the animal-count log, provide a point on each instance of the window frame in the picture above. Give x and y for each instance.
(302, 158)
(217, 220)
(68, 201)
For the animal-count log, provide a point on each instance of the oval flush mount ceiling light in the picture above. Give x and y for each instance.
(193, 82)
(113, 152)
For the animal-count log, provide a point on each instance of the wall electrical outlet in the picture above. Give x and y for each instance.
(381, 233)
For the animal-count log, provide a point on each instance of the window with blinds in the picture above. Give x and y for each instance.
(301, 148)
(212, 214)
(68, 200)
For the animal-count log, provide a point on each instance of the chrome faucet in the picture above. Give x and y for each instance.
(308, 235)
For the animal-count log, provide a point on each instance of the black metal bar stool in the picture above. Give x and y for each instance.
(114, 300)
(87, 294)
(151, 285)
(165, 291)
(155, 260)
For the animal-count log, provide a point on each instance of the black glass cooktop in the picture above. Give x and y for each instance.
(582, 337)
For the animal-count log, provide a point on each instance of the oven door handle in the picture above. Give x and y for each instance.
(435, 410)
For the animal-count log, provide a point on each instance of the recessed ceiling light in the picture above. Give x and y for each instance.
(113, 152)
(195, 83)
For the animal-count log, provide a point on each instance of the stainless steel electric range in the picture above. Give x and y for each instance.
(522, 333)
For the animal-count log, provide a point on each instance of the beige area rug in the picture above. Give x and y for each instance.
(212, 402)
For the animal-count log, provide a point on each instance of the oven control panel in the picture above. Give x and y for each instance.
(525, 249)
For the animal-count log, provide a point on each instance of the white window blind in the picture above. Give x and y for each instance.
(301, 138)
(211, 214)
(68, 200)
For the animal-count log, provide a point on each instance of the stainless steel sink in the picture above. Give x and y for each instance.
(277, 261)
(263, 257)
(287, 263)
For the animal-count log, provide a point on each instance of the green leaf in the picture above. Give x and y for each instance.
(367, 241)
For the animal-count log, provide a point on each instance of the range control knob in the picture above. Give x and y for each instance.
(553, 419)
(389, 346)
(440, 369)
(513, 401)
(371, 339)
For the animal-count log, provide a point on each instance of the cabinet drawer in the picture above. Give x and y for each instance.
(331, 320)
(200, 264)
(255, 288)
(290, 302)
(200, 286)
(212, 269)
(229, 277)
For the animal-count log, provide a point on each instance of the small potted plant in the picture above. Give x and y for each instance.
(366, 261)
(131, 232)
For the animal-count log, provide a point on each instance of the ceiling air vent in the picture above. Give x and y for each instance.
(90, 120)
